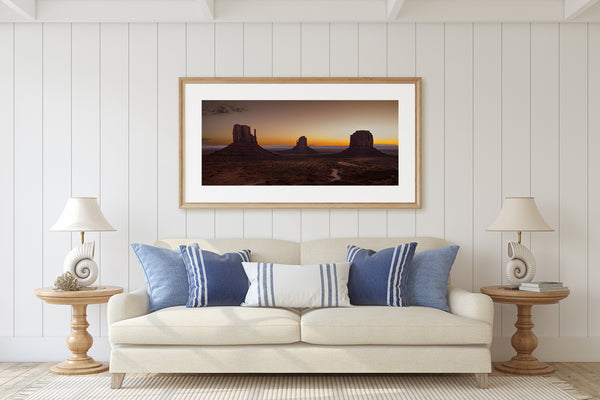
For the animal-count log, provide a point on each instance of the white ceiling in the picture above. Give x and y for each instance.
(300, 10)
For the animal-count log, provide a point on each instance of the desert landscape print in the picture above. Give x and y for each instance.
(300, 142)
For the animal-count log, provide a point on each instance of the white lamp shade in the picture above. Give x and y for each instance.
(82, 214)
(519, 214)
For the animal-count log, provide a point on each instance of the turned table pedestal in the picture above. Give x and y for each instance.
(79, 341)
(524, 340)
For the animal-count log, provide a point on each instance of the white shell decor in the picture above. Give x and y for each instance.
(521, 266)
(80, 262)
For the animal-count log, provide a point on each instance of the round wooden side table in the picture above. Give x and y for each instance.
(524, 340)
(79, 341)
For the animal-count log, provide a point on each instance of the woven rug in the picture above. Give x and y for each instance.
(293, 387)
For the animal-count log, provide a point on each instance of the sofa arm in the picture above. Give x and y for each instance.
(128, 305)
(471, 305)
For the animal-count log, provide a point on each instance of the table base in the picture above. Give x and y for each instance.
(79, 367)
(530, 366)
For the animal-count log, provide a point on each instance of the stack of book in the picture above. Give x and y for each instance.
(543, 287)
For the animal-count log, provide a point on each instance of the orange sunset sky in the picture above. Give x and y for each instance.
(282, 122)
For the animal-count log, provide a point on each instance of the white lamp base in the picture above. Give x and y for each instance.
(520, 266)
(80, 262)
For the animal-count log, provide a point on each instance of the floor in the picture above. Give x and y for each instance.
(585, 377)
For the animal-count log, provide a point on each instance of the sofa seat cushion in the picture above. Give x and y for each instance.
(382, 325)
(226, 325)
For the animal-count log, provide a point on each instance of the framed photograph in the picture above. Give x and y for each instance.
(300, 142)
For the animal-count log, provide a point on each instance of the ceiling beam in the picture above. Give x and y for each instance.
(208, 8)
(25, 8)
(574, 8)
(393, 9)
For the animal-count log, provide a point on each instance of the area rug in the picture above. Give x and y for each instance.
(295, 387)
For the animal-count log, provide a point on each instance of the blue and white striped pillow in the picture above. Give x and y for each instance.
(303, 286)
(215, 280)
(379, 278)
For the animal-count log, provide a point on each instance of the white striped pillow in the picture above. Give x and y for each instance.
(302, 286)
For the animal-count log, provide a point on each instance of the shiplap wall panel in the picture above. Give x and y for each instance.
(229, 49)
(593, 179)
(85, 142)
(258, 49)
(544, 161)
(372, 50)
(343, 223)
(258, 223)
(315, 50)
(343, 54)
(171, 51)
(200, 58)
(229, 223)
(401, 62)
(372, 223)
(7, 179)
(315, 224)
(127, 107)
(458, 156)
(516, 124)
(114, 147)
(487, 157)
(28, 201)
(287, 224)
(573, 177)
(56, 162)
(143, 152)
(430, 66)
(287, 49)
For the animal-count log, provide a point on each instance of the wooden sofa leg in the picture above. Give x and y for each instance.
(482, 380)
(116, 380)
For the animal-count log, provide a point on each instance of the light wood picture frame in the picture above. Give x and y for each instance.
(300, 142)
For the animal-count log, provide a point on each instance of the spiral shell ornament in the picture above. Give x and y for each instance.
(80, 262)
(521, 265)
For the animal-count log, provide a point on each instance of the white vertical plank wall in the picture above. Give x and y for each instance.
(516, 126)
(487, 157)
(28, 184)
(593, 179)
(143, 151)
(7, 175)
(114, 150)
(56, 162)
(85, 132)
(92, 109)
(573, 177)
(458, 157)
(544, 161)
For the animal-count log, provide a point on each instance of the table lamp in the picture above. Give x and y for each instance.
(519, 214)
(82, 214)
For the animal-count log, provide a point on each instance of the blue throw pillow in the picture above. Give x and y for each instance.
(165, 275)
(215, 280)
(428, 276)
(379, 278)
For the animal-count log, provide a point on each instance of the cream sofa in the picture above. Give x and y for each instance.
(360, 339)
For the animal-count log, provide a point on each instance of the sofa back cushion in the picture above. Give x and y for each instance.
(334, 250)
(263, 250)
